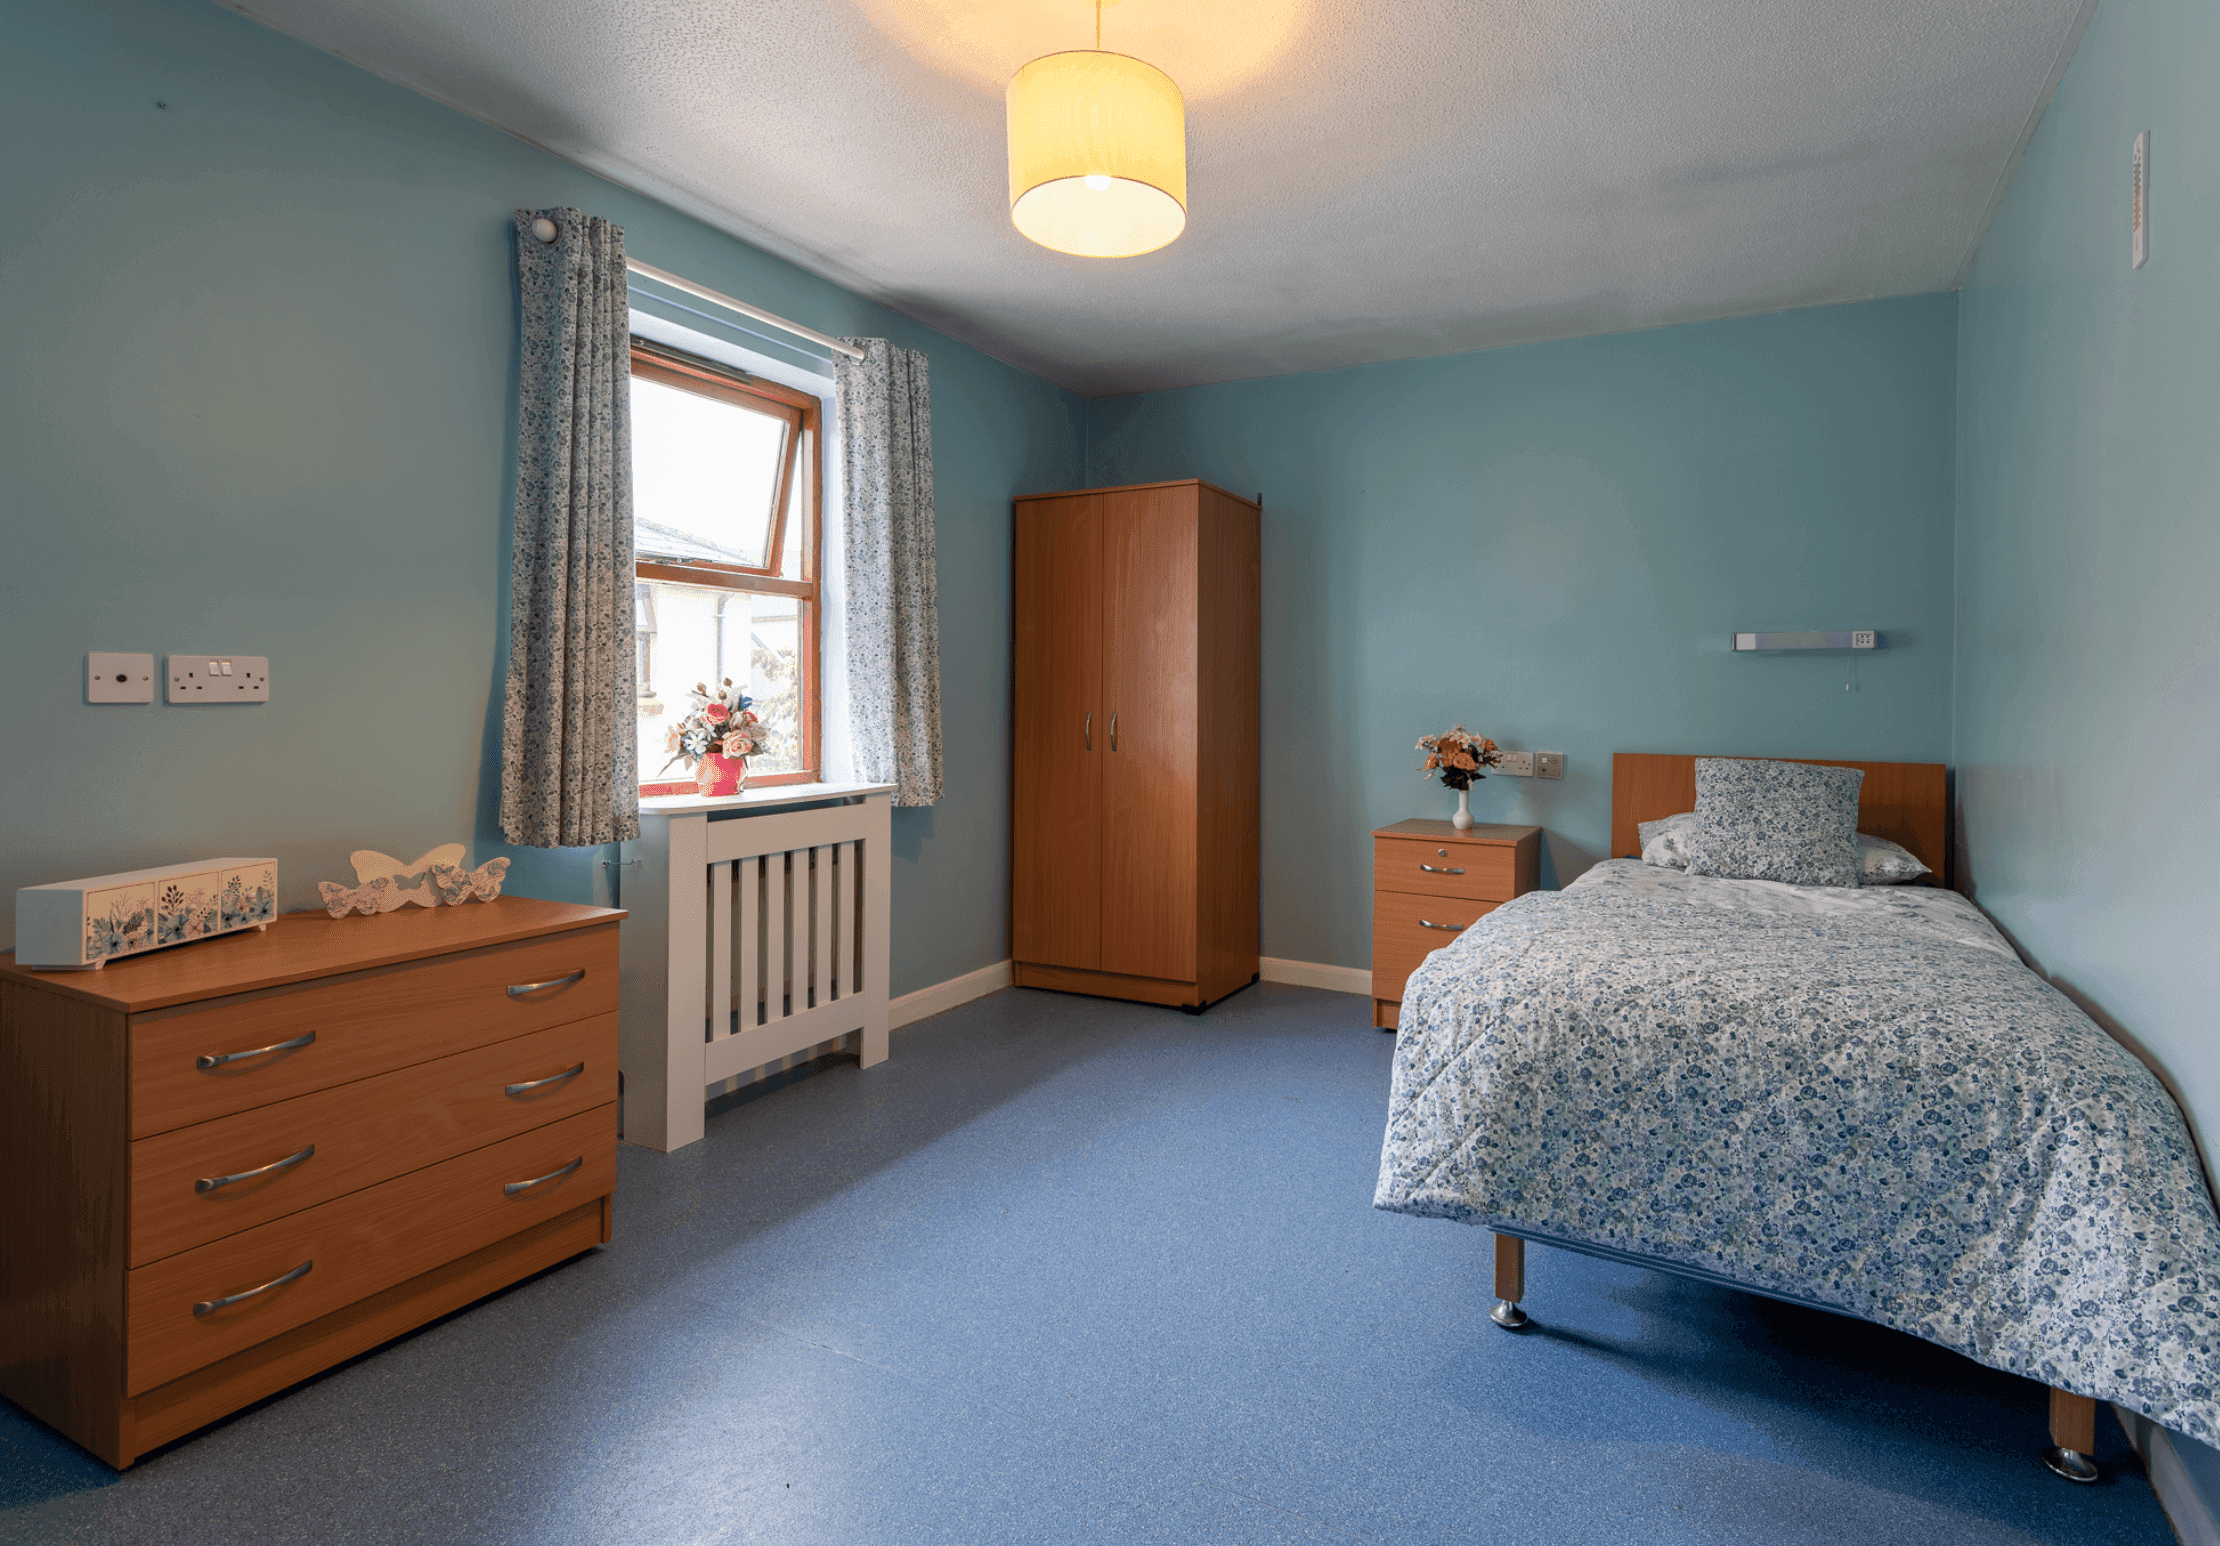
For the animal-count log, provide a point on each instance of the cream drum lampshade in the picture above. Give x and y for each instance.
(1098, 154)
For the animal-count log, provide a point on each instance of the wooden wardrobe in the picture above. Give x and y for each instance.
(1134, 806)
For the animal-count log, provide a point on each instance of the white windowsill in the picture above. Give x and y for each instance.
(754, 799)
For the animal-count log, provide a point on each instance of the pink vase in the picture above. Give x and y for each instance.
(718, 774)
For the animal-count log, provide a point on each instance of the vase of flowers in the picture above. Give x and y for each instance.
(715, 739)
(1458, 756)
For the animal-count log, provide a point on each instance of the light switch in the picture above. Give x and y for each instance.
(113, 678)
(1549, 764)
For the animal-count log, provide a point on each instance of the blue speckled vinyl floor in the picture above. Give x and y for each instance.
(1070, 1270)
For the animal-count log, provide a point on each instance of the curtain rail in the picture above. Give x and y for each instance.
(703, 292)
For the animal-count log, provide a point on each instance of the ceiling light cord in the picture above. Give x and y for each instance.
(1098, 26)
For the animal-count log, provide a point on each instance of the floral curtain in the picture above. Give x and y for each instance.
(568, 759)
(893, 623)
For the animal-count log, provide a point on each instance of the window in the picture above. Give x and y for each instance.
(726, 511)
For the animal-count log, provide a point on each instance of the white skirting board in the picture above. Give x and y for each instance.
(2188, 1510)
(906, 1010)
(1314, 974)
(912, 1007)
(942, 996)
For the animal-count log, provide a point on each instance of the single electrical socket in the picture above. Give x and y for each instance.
(1515, 765)
(112, 678)
(1549, 764)
(219, 678)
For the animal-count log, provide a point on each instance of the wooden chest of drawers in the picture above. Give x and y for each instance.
(1430, 882)
(237, 1163)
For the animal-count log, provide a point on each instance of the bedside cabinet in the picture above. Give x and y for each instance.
(234, 1164)
(1430, 882)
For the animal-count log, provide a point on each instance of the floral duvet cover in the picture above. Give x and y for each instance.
(1866, 1103)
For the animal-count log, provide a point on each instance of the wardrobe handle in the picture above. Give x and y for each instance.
(1113, 729)
(1089, 732)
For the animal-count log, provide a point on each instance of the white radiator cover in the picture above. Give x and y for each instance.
(758, 928)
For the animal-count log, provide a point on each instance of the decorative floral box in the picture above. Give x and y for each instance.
(83, 923)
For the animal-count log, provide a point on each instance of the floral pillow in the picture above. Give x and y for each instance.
(1883, 863)
(1787, 821)
(1665, 841)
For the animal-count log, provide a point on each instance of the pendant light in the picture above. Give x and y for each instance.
(1098, 153)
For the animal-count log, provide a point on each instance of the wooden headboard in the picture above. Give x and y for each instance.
(1905, 802)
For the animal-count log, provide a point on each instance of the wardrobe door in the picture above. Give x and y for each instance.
(1149, 688)
(1059, 734)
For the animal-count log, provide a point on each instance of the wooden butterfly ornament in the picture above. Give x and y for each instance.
(457, 885)
(412, 882)
(373, 896)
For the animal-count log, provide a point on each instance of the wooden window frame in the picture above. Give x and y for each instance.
(804, 450)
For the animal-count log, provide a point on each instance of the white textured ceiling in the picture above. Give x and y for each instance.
(1368, 179)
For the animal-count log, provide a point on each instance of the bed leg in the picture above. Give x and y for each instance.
(1510, 1282)
(2073, 1436)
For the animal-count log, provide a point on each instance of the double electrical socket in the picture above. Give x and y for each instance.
(219, 678)
(1532, 765)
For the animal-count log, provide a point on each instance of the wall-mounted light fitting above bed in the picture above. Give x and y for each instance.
(1855, 639)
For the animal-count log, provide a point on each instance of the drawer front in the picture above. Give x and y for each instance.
(356, 1246)
(361, 1133)
(1407, 929)
(1479, 872)
(366, 1024)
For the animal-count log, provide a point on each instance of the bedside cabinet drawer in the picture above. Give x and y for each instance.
(187, 1311)
(193, 1065)
(201, 1183)
(1407, 929)
(1480, 872)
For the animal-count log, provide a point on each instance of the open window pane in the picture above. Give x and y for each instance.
(727, 513)
(702, 634)
(705, 476)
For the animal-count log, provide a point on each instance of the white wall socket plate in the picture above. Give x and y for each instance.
(1515, 765)
(1549, 764)
(113, 678)
(219, 678)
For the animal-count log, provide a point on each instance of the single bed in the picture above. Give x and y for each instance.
(1855, 1099)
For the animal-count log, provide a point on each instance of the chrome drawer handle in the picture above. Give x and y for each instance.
(1453, 928)
(212, 1183)
(211, 1306)
(540, 1084)
(218, 1059)
(1440, 869)
(522, 988)
(514, 1187)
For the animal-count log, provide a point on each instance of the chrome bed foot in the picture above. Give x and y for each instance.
(1510, 1282)
(2073, 1435)
(2071, 1464)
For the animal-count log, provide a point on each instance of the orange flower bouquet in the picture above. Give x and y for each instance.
(1458, 756)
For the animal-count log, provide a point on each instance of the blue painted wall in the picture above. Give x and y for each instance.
(1551, 544)
(259, 400)
(2088, 719)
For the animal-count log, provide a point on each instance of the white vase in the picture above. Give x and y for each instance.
(1463, 818)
